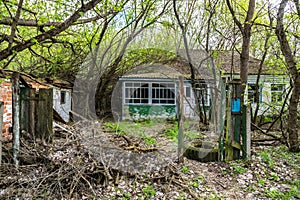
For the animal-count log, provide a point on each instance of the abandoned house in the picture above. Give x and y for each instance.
(273, 81)
(39, 99)
(151, 90)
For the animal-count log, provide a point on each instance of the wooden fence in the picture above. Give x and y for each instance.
(36, 112)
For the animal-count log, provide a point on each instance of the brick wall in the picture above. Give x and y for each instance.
(6, 97)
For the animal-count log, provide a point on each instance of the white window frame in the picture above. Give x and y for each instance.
(188, 91)
(63, 97)
(251, 92)
(207, 93)
(277, 95)
(137, 92)
(163, 90)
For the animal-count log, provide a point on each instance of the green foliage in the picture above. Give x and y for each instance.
(145, 122)
(274, 194)
(197, 181)
(115, 127)
(126, 196)
(274, 176)
(185, 169)
(149, 140)
(172, 132)
(238, 169)
(148, 191)
(140, 56)
(265, 156)
(293, 193)
(127, 128)
(261, 181)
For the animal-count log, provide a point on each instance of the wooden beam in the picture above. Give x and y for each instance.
(16, 118)
(1, 120)
(180, 120)
(236, 145)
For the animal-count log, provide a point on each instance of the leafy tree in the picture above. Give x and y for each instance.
(294, 71)
(245, 29)
(49, 38)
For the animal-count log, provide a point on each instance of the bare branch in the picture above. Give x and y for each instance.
(14, 24)
(237, 22)
(51, 33)
(34, 23)
(297, 6)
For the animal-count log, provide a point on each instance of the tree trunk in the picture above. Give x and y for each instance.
(245, 29)
(293, 115)
(295, 75)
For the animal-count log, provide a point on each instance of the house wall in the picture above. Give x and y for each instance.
(265, 83)
(6, 97)
(189, 102)
(162, 111)
(148, 111)
(63, 109)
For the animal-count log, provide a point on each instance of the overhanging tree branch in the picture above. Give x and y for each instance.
(35, 23)
(51, 33)
(14, 25)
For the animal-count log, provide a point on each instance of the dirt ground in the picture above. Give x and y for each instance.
(103, 163)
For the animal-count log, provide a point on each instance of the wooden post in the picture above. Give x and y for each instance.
(16, 119)
(24, 109)
(180, 120)
(228, 134)
(45, 114)
(246, 132)
(221, 123)
(237, 123)
(31, 117)
(1, 120)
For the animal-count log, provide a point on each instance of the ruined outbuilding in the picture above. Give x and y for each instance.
(40, 99)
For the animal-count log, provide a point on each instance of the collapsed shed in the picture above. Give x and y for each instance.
(39, 100)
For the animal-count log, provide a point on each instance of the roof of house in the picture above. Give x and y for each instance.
(28, 80)
(227, 62)
(205, 67)
(153, 71)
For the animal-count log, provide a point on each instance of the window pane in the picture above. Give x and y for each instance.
(144, 101)
(136, 101)
(155, 101)
(163, 93)
(188, 91)
(277, 92)
(171, 101)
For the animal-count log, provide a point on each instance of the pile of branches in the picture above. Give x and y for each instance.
(61, 169)
(66, 168)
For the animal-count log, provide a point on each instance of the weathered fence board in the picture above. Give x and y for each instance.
(37, 112)
(45, 114)
(1, 121)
